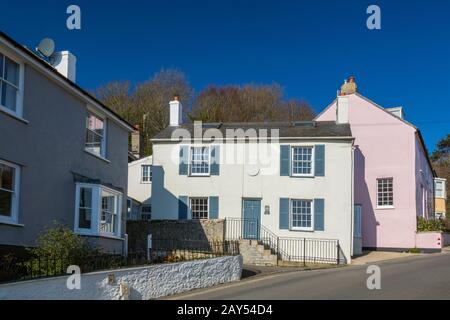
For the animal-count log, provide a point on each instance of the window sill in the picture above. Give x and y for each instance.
(146, 182)
(384, 208)
(96, 235)
(301, 176)
(301, 230)
(13, 115)
(199, 175)
(11, 223)
(97, 156)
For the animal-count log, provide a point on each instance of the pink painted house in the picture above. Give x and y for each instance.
(393, 177)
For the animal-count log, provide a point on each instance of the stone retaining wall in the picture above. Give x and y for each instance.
(207, 230)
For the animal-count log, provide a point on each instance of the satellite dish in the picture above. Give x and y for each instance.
(46, 47)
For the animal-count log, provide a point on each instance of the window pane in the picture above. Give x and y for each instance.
(85, 198)
(302, 160)
(146, 173)
(93, 142)
(11, 72)
(6, 177)
(1, 65)
(301, 213)
(108, 212)
(9, 94)
(95, 124)
(5, 203)
(85, 218)
(385, 194)
(199, 208)
(85, 208)
(200, 160)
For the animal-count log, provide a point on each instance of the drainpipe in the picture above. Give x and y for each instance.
(352, 202)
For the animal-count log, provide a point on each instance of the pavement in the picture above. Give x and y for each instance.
(376, 256)
(411, 277)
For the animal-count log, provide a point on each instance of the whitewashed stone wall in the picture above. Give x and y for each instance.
(143, 282)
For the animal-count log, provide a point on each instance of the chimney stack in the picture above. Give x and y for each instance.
(136, 143)
(65, 62)
(175, 111)
(342, 109)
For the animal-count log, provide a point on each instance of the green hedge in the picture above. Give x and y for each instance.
(430, 225)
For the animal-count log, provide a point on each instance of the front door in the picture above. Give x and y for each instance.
(251, 218)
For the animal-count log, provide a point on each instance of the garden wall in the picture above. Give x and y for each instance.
(143, 283)
(206, 230)
(446, 239)
(430, 241)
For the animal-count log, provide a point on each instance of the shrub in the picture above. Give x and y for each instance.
(430, 224)
(60, 241)
(447, 224)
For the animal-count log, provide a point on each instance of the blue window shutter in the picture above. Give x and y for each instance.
(182, 207)
(284, 213)
(213, 208)
(285, 160)
(319, 214)
(319, 160)
(215, 160)
(183, 167)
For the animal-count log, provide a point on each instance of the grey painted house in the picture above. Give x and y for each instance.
(63, 155)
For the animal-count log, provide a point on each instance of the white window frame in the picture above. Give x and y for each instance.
(14, 218)
(20, 89)
(390, 206)
(96, 212)
(102, 154)
(150, 177)
(312, 161)
(442, 183)
(146, 213)
(191, 153)
(191, 216)
(291, 216)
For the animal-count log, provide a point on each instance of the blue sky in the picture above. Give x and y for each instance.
(309, 47)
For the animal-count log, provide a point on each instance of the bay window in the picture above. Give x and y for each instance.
(9, 192)
(98, 210)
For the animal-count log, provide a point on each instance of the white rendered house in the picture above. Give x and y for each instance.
(140, 189)
(297, 185)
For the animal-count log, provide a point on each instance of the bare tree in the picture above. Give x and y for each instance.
(248, 103)
(146, 105)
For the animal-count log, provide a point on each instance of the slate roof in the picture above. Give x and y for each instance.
(300, 129)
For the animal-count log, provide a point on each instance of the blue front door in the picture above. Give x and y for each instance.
(252, 216)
